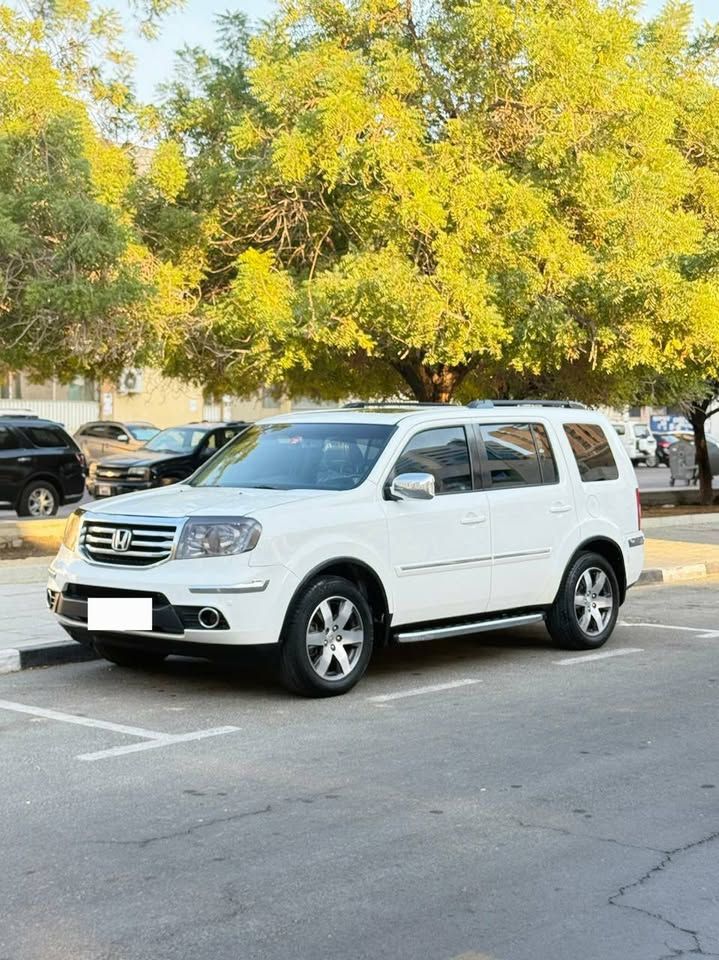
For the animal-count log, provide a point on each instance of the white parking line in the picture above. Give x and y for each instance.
(418, 691)
(623, 652)
(164, 741)
(704, 632)
(151, 738)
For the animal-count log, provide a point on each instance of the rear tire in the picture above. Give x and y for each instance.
(39, 499)
(327, 639)
(128, 656)
(585, 611)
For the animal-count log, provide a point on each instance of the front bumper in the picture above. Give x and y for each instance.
(251, 600)
(100, 489)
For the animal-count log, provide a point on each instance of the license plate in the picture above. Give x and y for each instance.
(117, 614)
(104, 490)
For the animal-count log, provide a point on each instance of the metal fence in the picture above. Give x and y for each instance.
(70, 413)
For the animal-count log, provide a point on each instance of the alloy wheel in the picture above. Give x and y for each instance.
(335, 636)
(593, 601)
(41, 502)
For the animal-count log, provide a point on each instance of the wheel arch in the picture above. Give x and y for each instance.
(612, 553)
(368, 581)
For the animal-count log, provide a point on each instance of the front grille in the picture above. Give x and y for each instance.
(145, 543)
(111, 473)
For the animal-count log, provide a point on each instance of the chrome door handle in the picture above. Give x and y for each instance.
(560, 508)
(24, 459)
(473, 518)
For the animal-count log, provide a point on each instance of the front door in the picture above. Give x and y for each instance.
(15, 464)
(439, 548)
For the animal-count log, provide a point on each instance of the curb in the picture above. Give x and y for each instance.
(48, 654)
(689, 571)
(680, 520)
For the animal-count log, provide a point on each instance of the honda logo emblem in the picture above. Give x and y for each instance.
(121, 541)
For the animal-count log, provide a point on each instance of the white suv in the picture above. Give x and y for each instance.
(328, 533)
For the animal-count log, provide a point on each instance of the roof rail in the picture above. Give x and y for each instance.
(570, 404)
(359, 404)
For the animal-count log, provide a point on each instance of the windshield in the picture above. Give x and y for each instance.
(176, 440)
(142, 433)
(285, 456)
(641, 430)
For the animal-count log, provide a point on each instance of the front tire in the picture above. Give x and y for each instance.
(327, 639)
(585, 611)
(128, 656)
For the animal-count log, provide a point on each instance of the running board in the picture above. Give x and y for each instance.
(462, 629)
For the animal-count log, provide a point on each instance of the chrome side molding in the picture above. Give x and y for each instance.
(463, 629)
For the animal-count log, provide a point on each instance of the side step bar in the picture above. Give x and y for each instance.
(462, 629)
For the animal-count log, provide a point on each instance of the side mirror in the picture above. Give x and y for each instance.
(412, 486)
(123, 438)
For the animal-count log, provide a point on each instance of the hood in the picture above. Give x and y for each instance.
(142, 458)
(181, 500)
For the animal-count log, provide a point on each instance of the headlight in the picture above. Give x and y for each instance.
(139, 473)
(218, 537)
(72, 529)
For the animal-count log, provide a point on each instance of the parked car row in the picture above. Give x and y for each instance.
(43, 468)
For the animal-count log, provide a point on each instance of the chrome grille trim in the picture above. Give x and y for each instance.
(153, 540)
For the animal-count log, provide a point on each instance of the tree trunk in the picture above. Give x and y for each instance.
(436, 384)
(698, 419)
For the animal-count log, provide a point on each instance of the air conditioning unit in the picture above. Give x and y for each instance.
(130, 380)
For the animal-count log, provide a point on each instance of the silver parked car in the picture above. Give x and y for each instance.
(103, 438)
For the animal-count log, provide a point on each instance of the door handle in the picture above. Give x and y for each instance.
(24, 459)
(471, 518)
(560, 508)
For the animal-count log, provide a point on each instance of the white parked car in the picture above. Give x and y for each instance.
(330, 532)
(639, 442)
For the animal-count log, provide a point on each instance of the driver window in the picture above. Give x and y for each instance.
(444, 453)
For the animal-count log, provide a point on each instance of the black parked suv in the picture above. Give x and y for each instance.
(41, 466)
(170, 456)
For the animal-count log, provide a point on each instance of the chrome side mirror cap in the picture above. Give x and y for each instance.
(412, 486)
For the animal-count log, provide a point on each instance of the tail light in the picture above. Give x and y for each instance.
(639, 510)
(81, 459)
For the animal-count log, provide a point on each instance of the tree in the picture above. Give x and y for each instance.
(443, 201)
(78, 293)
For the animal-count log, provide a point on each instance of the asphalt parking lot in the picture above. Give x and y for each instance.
(486, 797)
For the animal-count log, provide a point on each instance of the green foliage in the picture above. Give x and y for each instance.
(497, 196)
(74, 287)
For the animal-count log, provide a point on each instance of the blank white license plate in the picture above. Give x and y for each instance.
(119, 613)
(104, 490)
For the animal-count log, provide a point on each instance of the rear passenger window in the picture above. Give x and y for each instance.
(444, 453)
(47, 436)
(511, 454)
(591, 451)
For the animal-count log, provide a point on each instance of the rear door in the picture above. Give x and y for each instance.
(15, 463)
(439, 548)
(533, 513)
(55, 454)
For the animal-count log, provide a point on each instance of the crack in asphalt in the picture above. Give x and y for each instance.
(590, 836)
(202, 825)
(666, 861)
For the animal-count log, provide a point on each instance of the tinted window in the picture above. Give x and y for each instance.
(142, 433)
(545, 453)
(511, 454)
(287, 456)
(591, 451)
(47, 436)
(98, 430)
(8, 440)
(114, 433)
(176, 440)
(619, 427)
(444, 453)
